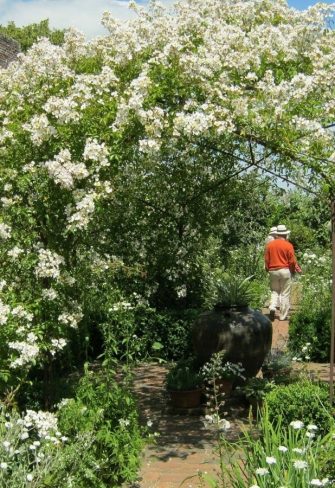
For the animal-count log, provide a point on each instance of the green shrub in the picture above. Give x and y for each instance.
(302, 400)
(311, 324)
(143, 333)
(171, 328)
(106, 410)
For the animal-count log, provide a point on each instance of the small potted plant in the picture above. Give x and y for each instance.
(222, 374)
(233, 291)
(183, 382)
(255, 390)
(277, 365)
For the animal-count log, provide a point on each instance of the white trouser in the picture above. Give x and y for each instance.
(280, 285)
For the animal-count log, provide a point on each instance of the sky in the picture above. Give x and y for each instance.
(85, 15)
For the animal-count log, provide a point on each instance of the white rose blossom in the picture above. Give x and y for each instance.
(4, 312)
(5, 231)
(64, 172)
(48, 265)
(96, 151)
(49, 294)
(15, 252)
(28, 351)
(40, 129)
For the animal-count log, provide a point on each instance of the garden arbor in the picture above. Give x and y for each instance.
(163, 109)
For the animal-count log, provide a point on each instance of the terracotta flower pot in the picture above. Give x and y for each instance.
(185, 398)
(225, 386)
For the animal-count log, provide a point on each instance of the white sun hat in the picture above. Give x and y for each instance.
(282, 230)
(273, 230)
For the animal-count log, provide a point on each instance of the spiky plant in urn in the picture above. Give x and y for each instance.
(244, 333)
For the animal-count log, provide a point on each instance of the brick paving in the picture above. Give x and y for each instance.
(184, 446)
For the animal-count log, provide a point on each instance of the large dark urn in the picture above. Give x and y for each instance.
(245, 334)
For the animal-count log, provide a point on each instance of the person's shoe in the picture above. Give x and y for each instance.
(272, 315)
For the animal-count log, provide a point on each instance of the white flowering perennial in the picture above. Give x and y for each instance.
(45, 423)
(218, 422)
(28, 447)
(48, 265)
(297, 424)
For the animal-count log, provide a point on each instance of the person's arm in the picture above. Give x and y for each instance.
(292, 262)
(266, 258)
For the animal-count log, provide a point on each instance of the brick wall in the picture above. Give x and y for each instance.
(8, 50)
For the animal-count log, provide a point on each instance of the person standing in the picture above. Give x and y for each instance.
(271, 235)
(281, 264)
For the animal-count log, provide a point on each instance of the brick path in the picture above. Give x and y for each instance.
(184, 445)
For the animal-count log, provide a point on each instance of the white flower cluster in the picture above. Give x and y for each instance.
(96, 151)
(4, 312)
(45, 423)
(57, 345)
(218, 368)
(304, 353)
(9, 202)
(28, 442)
(70, 319)
(64, 172)
(124, 423)
(28, 350)
(149, 146)
(137, 92)
(5, 231)
(193, 124)
(21, 313)
(312, 258)
(215, 420)
(48, 264)
(65, 110)
(121, 306)
(84, 209)
(318, 482)
(5, 134)
(40, 129)
(15, 252)
(49, 294)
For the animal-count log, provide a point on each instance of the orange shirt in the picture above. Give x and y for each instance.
(279, 254)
